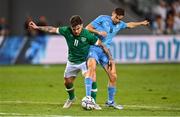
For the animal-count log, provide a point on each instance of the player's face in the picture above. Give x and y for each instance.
(77, 29)
(116, 18)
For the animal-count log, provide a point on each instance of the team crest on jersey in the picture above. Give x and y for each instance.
(71, 35)
(83, 39)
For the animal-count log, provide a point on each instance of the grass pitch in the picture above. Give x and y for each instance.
(144, 90)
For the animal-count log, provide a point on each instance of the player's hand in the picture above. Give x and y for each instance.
(145, 22)
(33, 25)
(102, 33)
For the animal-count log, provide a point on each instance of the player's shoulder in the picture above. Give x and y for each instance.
(65, 27)
(121, 25)
(64, 30)
(86, 32)
(122, 21)
(104, 16)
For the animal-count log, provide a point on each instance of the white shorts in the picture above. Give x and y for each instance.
(73, 69)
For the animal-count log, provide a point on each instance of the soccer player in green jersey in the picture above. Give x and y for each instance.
(78, 40)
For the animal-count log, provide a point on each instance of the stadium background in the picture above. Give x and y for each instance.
(148, 52)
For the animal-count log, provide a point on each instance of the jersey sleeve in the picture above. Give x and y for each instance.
(123, 25)
(92, 38)
(62, 30)
(95, 23)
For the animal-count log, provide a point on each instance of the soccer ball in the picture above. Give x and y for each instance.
(88, 103)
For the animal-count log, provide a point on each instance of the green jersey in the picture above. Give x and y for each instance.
(78, 46)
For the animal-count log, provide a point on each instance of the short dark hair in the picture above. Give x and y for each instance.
(119, 11)
(76, 20)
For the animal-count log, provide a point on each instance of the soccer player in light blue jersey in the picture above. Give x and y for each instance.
(106, 27)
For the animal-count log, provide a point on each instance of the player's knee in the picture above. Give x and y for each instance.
(91, 71)
(94, 78)
(91, 63)
(91, 67)
(113, 78)
(67, 81)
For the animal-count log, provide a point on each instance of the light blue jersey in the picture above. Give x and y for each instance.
(104, 23)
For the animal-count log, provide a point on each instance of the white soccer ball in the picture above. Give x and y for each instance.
(88, 103)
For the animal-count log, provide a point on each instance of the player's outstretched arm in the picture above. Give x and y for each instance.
(93, 30)
(49, 29)
(135, 24)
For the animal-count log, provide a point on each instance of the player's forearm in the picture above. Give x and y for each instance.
(134, 24)
(49, 29)
(106, 50)
(91, 29)
(94, 31)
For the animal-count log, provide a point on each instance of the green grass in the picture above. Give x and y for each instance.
(152, 89)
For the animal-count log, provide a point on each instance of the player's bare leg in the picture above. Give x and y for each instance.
(68, 82)
(111, 71)
(91, 64)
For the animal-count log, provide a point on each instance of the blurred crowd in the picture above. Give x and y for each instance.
(37, 43)
(166, 17)
(4, 28)
(42, 21)
(33, 46)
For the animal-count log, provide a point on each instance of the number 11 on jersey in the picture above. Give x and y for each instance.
(76, 42)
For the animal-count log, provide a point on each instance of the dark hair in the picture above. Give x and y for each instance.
(75, 20)
(119, 11)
